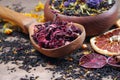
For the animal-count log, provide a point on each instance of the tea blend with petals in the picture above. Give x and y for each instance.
(81, 7)
(55, 34)
(28, 59)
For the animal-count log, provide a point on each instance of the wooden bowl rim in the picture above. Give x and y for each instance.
(104, 13)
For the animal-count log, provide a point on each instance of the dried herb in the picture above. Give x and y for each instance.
(81, 7)
(67, 67)
(55, 34)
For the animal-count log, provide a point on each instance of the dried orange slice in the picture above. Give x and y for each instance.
(107, 43)
(118, 23)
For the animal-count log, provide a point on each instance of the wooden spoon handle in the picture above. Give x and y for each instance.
(22, 21)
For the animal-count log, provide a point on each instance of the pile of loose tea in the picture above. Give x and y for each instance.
(81, 7)
(55, 34)
(16, 48)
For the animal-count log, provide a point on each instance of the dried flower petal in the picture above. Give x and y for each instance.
(7, 31)
(33, 15)
(7, 28)
(113, 61)
(66, 3)
(93, 3)
(71, 0)
(93, 60)
(38, 17)
(39, 6)
(55, 34)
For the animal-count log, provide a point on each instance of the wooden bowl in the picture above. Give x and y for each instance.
(63, 50)
(94, 25)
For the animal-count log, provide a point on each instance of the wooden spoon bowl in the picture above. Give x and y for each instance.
(27, 25)
(94, 25)
(63, 50)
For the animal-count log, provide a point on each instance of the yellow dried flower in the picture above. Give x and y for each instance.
(7, 25)
(39, 6)
(41, 18)
(33, 15)
(10, 26)
(6, 28)
(7, 31)
(38, 17)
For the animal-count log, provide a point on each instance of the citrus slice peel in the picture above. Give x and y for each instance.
(105, 51)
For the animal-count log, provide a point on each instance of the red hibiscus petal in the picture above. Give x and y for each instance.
(93, 60)
(113, 62)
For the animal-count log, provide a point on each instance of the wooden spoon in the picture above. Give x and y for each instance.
(27, 25)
